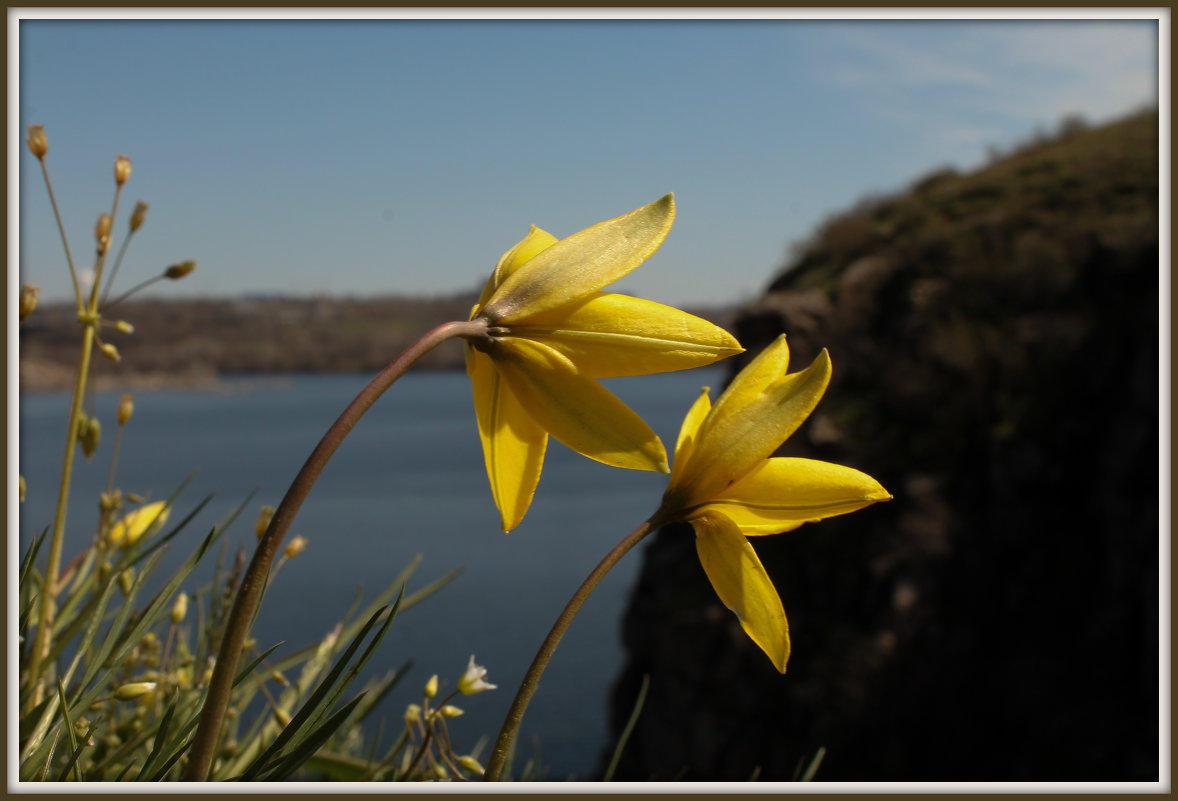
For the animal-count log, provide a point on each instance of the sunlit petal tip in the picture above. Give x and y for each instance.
(583, 263)
(739, 579)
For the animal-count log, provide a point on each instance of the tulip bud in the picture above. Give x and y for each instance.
(134, 690)
(178, 271)
(295, 546)
(37, 141)
(440, 771)
(126, 579)
(431, 687)
(412, 713)
(263, 523)
(471, 764)
(126, 408)
(134, 525)
(180, 607)
(278, 676)
(28, 300)
(124, 327)
(91, 437)
(122, 169)
(450, 711)
(23, 487)
(138, 215)
(110, 352)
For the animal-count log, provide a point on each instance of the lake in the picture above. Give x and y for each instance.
(408, 480)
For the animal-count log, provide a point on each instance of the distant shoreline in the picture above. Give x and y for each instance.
(45, 377)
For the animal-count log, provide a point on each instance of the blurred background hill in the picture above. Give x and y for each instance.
(194, 343)
(994, 337)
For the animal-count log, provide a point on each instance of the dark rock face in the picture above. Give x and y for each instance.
(995, 349)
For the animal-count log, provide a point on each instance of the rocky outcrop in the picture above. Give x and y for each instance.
(995, 347)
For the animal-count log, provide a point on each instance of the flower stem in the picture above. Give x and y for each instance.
(41, 642)
(532, 678)
(249, 593)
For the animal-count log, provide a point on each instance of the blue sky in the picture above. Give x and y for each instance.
(366, 157)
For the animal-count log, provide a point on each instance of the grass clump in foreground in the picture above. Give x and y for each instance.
(115, 657)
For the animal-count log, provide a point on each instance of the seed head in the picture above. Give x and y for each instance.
(102, 232)
(126, 408)
(471, 764)
(91, 436)
(37, 141)
(122, 169)
(263, 523)
(134, 690)
(295, 547)
(180, 607)
(28, 300)
(178, 271)
(138, 215)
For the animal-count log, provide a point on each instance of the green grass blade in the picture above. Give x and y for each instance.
(629, 728)
(31, 555)
(313, 742)
(69, 733)
(161, 737)
(321, 699)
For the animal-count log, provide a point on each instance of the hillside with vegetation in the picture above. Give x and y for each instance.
(995, 342)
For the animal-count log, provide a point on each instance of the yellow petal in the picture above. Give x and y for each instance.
(582, 263)
(688, 433)
(575, 409)
(751, 420)
(608, 335)
(783, 493)
(740, 580)
(536, 241)
(128, 530)
(513, 442)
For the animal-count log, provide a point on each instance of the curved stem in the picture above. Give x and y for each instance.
(532, 678)
(245, 603)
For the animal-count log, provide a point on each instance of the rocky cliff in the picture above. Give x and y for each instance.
(995, 340)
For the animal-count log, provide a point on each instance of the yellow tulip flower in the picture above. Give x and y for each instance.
(551, 333)
(127, 531)
(728, 485)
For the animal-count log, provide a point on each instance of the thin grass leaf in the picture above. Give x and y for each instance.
(167, 766)
(629, 728)
(313, 742)
(124, 771)
(36, 742)
(812, 768)
(91, 619)
(379, 688)
(69, 733)
(244, 673)
(349, 629)
(325, 694)
(31, 555)
(161, 738)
